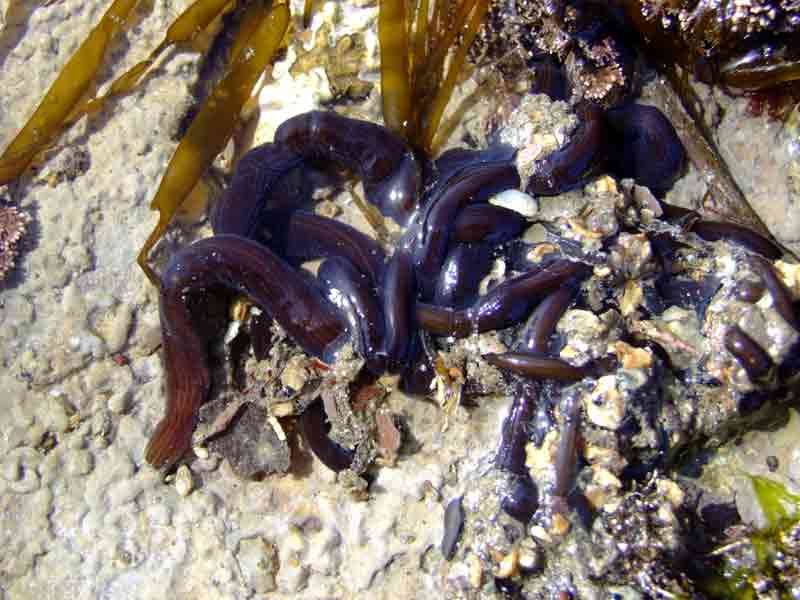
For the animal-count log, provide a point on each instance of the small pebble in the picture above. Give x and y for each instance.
(183, 481)
(772, 463)
(509, 566)
(453, 524)
(475, 571)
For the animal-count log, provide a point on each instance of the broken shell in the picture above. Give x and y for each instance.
(520, 202)
(183, 481)
(475, 571)
(529, 560)
(560, 526)
(509, 565)
(605, 406)
(631, 357)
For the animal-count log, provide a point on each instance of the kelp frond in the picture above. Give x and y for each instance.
(423, 51)
(259, 38)
(64, 103)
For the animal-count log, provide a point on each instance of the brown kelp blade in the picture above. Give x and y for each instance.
(63, 96)
(184, 29)
(417, 79)
(213, 126)
(61, 105)
(395, 85)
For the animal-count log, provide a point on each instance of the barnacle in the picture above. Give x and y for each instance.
(12, 226)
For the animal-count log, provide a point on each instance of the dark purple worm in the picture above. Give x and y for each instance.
(302, 235)
(566, 453)
(463, 269)
(258, 174)
(419, 372)
(315, 430)
(781, 296)
(514, 435)
(535, 334)
(487, 223)
(749, 291)
(504, 305)
(457, 161)
(245, 267)
(535, 366)
(523, 499)
(580, 159)
(753, 358)
(399, 290)
(712, 231)
(646, 147)
(261, 335)
(465, 186)
(381, 159)
(353, 293)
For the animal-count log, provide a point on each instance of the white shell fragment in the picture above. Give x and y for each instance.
(183, 481)
(518, 201)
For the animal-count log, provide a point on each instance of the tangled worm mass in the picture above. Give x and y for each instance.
(429, 286)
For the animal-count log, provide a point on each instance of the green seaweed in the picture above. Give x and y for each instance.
(779, 505)
(745, 563)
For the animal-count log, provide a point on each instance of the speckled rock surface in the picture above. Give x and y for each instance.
(81, 514)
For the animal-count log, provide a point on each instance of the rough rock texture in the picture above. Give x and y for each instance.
(81, 382)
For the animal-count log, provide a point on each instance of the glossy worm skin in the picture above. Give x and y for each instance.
(466, 186)
(463, 269)
(488, 223)
(579, 159)
(242, 266)
(258, 175)
(315, 430)
(502, 306)
(382, 160)
(648, 149)
(535, 366)
(567, 450)
(398, 293)
(514, 436)
(781, 296)
(717, 230)
(523, 498)
(535, 335)
(354, 294)
(753, 358)
(303, 236)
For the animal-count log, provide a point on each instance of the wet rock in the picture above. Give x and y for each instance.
(258, 561)
(251, 446)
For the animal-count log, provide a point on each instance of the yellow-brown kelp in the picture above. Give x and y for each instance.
(62, 107)
(63, 96)
(417, 79)
(213, 126)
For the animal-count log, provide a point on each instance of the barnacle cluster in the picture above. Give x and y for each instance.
(12, 226)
